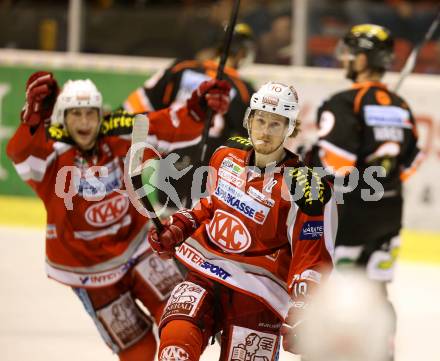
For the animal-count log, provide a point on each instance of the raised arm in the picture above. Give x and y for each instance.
(29, 149)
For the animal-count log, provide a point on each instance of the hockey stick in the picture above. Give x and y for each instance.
(411, 61)
(139, 137)
(219, 76)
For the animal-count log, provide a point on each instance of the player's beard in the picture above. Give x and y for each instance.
(267, 144)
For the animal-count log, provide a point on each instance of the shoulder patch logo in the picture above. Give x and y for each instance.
(239, 142)
(58, 132)
(312, 231)
(117, 122)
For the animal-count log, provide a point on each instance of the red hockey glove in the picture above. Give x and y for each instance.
(213, 94)
(180, 227)
(41, 92)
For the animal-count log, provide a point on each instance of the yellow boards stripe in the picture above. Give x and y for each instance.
(22, 211)
(417, 246)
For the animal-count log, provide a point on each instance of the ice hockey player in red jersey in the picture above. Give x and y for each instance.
(255, 247)
(361, 129)
(72, 156)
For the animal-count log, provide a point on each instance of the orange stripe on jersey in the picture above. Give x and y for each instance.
(369, 84)
(332, 159)
(211, 73)
(357, 100)
(135, 103)
(332, 156)
(363, 88)
(234, 77)
(242, 89)
(167, 93)
(185, 64)
(408, 172)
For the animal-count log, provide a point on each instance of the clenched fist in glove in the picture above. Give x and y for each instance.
(212, 94)
(182, 224)
(41, 92)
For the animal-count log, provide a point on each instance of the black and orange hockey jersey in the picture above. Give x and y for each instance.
(173, 86)
(266, 233)
(93, 231)
(368, 125)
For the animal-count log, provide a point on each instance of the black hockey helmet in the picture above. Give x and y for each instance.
(373, 40)
(242, 39)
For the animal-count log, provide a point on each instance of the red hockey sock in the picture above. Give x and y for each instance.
(181, 341)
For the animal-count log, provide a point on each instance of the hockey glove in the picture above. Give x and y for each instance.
(291, 329)
(181, 225)
(212, 94)
(41, 92)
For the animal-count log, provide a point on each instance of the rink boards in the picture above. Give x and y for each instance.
(418, 246)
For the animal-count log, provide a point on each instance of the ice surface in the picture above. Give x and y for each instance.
(41, 320)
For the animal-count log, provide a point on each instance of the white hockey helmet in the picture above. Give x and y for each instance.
(76, 94)
(275, 98)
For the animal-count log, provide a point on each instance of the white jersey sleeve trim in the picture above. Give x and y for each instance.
(92, 235)
(34, 168)
(330, 226)
(339, 151)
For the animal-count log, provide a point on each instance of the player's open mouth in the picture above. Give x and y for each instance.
(84, 133)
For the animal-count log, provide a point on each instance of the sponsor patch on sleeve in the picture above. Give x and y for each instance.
(312, 231)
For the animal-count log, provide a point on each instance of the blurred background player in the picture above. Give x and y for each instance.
(255, 247)
(95, 238)
(341, 316)
(368, 125)
(173, 86)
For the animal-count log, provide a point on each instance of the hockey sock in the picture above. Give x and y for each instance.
(181, 341)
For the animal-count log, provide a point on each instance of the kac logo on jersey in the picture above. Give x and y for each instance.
(107, 212)
(228, 232)
(312, 231)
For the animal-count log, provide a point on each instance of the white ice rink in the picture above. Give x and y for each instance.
(43, 320)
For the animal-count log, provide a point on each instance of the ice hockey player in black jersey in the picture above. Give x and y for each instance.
(174, 85)
(370, 131)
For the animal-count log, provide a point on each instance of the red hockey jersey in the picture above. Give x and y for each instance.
(91, 243)
(269, 235)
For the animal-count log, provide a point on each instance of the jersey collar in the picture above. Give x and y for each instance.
(369, 84)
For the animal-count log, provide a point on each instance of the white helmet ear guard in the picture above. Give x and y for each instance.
(275, 98)
(76, 94)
